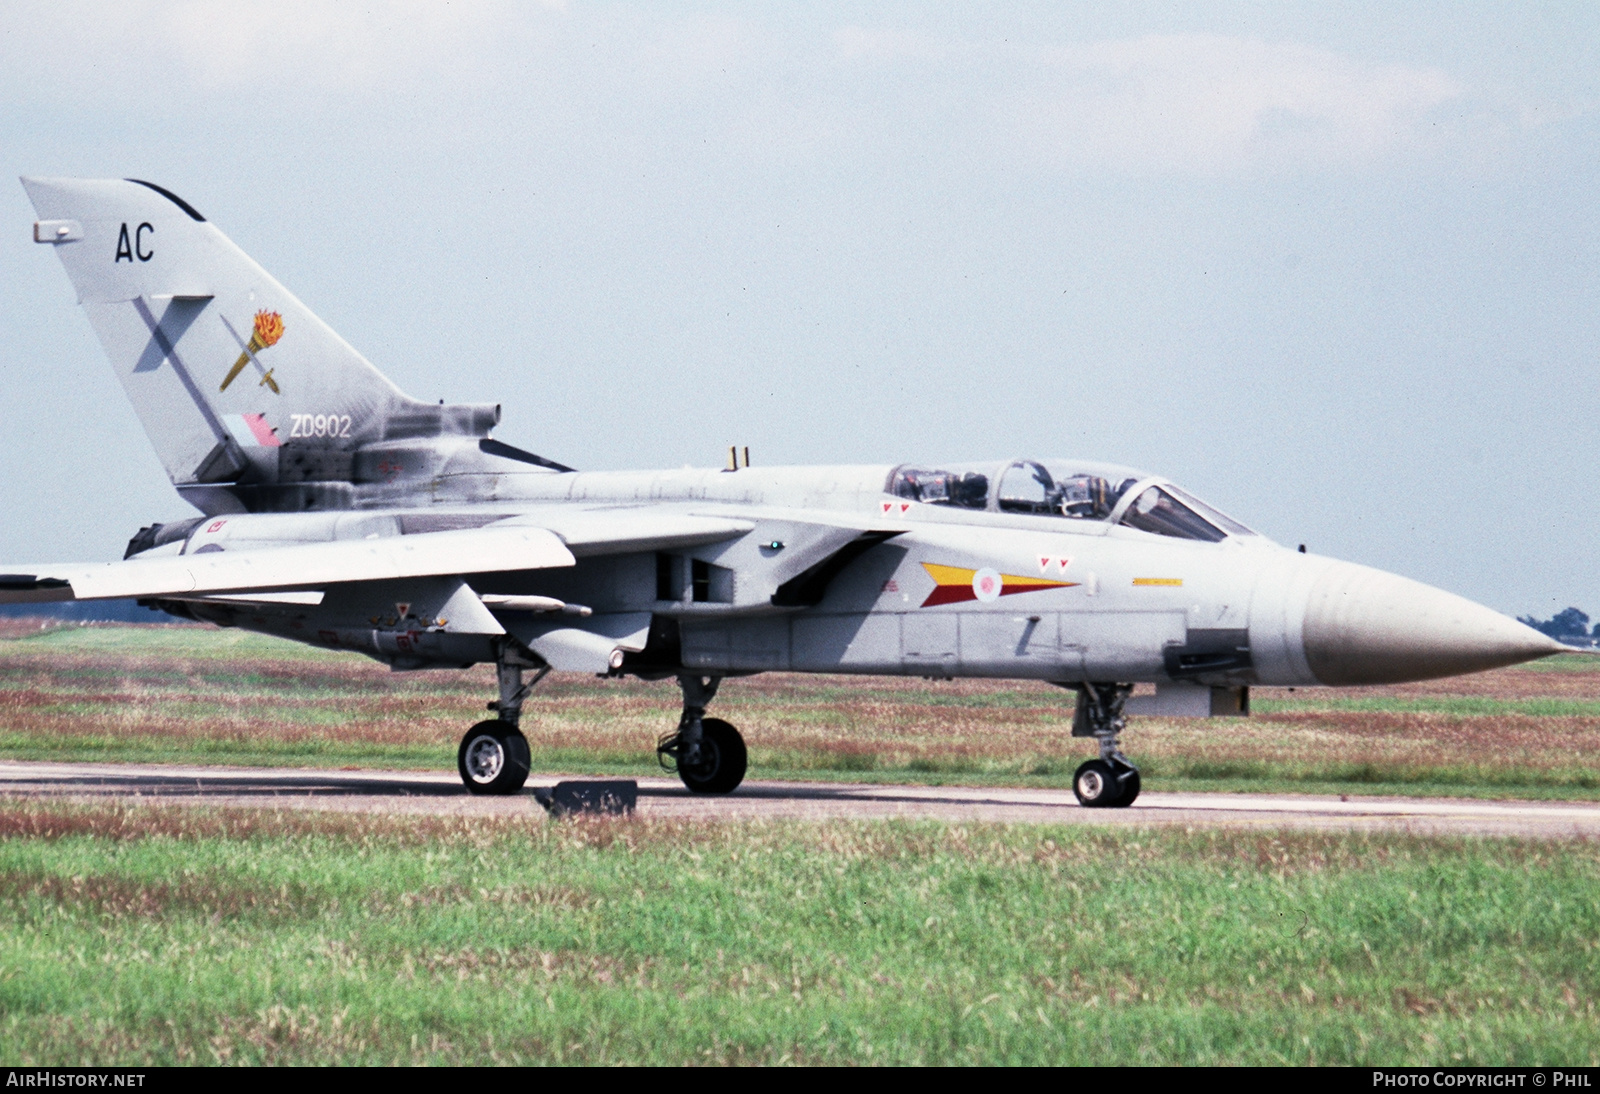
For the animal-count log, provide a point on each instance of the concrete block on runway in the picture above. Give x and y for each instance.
(596, 797)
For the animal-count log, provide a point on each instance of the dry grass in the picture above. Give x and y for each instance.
(209, 696)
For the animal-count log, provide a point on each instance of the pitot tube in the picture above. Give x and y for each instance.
(268, 329)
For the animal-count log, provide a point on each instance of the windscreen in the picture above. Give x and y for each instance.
(1157, 510)
(1215, 516)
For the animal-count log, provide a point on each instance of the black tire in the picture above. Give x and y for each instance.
(493, 758)
(1097, 786)
(1130, 790)
(722, 760)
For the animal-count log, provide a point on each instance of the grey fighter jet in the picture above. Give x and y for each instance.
(339, 512)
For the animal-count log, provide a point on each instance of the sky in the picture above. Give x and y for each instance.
(1333, 267)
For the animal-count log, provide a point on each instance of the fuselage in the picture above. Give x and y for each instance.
(1056, 570)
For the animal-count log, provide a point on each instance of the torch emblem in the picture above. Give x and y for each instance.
(268, 329)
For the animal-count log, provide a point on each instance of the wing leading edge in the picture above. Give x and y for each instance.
(301, 566)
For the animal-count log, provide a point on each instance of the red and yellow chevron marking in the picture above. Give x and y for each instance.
(953, 584)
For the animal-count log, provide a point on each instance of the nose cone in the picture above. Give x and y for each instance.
(1364, 626)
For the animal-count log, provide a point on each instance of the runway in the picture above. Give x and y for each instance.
(442, 793)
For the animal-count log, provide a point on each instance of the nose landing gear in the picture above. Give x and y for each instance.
(1111, 782)
(708, 753)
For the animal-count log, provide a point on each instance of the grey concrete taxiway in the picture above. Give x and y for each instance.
(442, 793)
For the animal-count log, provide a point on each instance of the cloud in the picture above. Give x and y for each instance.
(300, 46)
(1186, 103)
(1193, 104)
(334, 46)
(1211, 103)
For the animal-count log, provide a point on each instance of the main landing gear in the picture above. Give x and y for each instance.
(1111, 782)
(708, 753)
(494, 757)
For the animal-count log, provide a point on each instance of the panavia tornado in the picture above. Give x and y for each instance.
(339, 512)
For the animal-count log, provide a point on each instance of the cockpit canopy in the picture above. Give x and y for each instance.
(1075, 490)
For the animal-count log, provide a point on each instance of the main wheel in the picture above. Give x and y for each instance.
(493, 758)
(722, 760)
(1130, 789)
(1097, 785)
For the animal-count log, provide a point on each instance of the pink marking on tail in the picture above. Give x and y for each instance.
(265, 435)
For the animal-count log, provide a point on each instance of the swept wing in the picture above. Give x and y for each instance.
(298, 566)
(546, 542)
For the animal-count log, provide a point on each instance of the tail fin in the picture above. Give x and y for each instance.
(234, 380)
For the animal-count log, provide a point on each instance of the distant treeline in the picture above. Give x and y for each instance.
(89, 611)
(1570, 626)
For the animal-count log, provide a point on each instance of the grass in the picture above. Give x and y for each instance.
(134, 934)
(187, 935)
(199, 695)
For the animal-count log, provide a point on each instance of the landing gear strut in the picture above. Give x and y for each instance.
(1111, 782)
(494, 756)
(708, 753)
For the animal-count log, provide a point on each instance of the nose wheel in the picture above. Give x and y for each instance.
(1110, 782)
(1103, 785)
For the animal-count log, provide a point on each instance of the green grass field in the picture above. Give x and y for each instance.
(192, 694)
(158, 935)
(192, 934)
